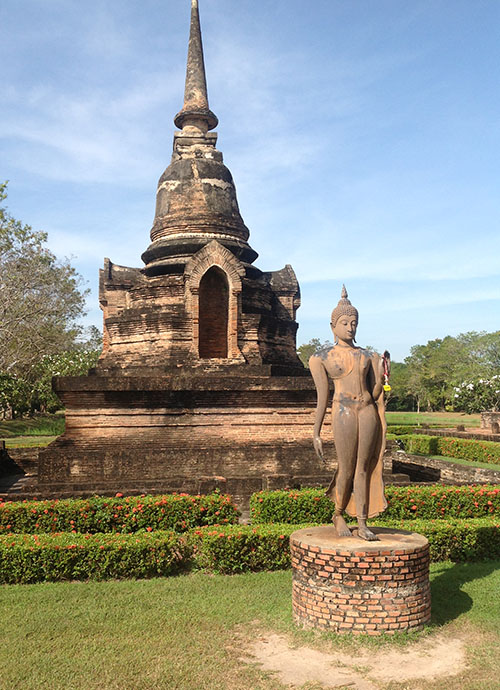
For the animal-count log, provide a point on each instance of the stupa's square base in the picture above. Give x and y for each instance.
(348, 585)
(189, 432)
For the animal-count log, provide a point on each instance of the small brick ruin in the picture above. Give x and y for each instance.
(348, 585)
(491, 420)
(199, 384)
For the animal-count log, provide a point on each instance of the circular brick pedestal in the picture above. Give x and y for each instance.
(347, 584)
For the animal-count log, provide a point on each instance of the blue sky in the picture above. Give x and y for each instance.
(363, 137)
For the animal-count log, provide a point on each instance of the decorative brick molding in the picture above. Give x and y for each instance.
(352, 586)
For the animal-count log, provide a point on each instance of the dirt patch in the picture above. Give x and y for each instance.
(427, 659)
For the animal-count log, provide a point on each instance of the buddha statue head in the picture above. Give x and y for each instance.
(344, 320)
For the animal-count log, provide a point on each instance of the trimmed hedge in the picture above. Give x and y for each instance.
(178, 512)
(469, 449)
(404, 502)
(26, 558)
(466, 449)
(419, 444)
(400, 429)
(441, 502)
(241, 548)
(293, 506)
(224, 549)
(455, 540)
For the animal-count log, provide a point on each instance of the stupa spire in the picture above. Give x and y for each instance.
(195, 116)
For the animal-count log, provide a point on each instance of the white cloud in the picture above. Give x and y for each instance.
(88, 136)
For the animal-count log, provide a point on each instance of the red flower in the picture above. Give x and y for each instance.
(118, 495)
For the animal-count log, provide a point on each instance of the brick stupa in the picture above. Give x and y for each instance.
(199, 384)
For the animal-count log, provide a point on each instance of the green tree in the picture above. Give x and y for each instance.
(91, 339)
(437, 368)
(40, 297)
(399, 398)
(432, 371)
(314, 346)
(483, 352)
(74, 363)
(478, 395)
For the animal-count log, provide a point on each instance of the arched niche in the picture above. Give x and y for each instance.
(213, 317)
(223, 272)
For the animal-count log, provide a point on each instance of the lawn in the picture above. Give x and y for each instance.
(444, 419)
(29, 441)
(467, 463)
(190, 632)
(39, 425)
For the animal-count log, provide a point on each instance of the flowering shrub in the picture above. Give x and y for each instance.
(456, 540)
(179, 512)
(292, 506)
(404, 502)
(441, 502)
(478, 395)
(242, 548)
(481, 451)
(26, 558)
(34, 391)
(69, 363)
(467, 449)
(238, 548)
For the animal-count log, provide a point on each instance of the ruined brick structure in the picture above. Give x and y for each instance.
(199, 384)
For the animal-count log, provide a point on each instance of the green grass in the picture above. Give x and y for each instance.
(39, 425)
(29, 441)
(467, 463)
(444, 419)
(189, 632)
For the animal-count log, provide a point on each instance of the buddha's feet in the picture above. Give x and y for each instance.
(340, 526)
(367, 534)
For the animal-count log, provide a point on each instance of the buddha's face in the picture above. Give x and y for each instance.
(345, 328)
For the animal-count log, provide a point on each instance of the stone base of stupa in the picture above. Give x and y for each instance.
(190, 434)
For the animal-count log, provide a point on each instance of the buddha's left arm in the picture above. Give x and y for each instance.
(376, 376)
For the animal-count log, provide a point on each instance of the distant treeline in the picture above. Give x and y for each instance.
(450, 374)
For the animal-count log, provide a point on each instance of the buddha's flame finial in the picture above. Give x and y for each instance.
(195, 114)
(344, 294)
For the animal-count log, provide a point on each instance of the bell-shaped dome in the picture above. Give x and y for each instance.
(196, 197)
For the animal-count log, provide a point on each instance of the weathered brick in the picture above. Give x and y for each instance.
(365, 598)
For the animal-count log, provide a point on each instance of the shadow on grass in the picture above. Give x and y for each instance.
(449, 601)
